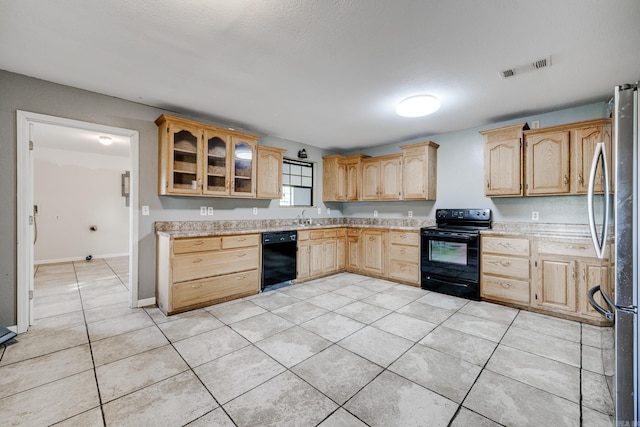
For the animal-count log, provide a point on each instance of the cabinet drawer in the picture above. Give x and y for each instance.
(303, 235)
(405, 237)
(316, 234)
(353, 232)
(505, 289)
(573, 249)
(201, 244)
(197, 266)
(505, 266)
(230, 242)
(405, 253)
(215, 288)
(403, 270)
(505, 245)
(330, 234)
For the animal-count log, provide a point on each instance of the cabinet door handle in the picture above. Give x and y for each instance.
(488, 184)
(580, 180)
(195, 261)
(199, 285)
(566, 180)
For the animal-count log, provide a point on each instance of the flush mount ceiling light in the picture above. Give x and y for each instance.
(418, 106)
(105, 140)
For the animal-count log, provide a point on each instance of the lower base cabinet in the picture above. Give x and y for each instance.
(196, 272)
(550, 276)
(321, 252)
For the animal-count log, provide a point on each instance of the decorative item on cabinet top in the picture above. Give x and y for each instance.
(197, 159)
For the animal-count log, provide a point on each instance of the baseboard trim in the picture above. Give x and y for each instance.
(13, 328)
(147, 301)
(81, 258)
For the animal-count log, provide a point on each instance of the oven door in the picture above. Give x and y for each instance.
(449, 263)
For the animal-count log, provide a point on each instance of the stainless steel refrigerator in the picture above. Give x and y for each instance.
(622, 306)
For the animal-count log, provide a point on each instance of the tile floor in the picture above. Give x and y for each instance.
(347, 350)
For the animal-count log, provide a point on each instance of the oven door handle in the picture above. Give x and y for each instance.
(443, 236)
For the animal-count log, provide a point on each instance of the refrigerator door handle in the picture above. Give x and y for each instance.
(599, 242)
(608, 314)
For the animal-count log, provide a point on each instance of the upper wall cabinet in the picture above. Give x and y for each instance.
(269, 177)
(419, 171)
(540, 162)
(503, 161)
(341, 178)
(410, 175)
(197, 159)
(558, 159)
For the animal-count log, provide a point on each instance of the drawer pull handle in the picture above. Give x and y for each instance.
(241, 254)
(197, 286)
(195, 261)
(506, 245)
(505, 285)
(403, 251)
(241, 277)
(198, 243)
(582, 248)
(505, 263)
(242, 239)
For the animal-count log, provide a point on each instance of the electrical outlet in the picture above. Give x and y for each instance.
(535, 216)
(145, 211)
(410, 213)
(375, 214)
(328, 211)
(255, 211)
(319, 211)
(209, 210)
(535, 124)
(203, 210)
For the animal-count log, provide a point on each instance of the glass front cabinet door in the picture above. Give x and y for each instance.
(243, 167)
(217, 163)
(183, 175)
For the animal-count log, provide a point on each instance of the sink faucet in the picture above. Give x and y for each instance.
(302, 220)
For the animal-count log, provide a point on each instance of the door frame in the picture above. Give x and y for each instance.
(24, 229)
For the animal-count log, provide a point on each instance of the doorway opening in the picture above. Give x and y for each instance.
(30, 127)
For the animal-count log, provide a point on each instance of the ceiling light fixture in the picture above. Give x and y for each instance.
(105, 140)
(418, 106)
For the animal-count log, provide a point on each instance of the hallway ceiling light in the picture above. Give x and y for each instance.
(418, 106)
(105, 140)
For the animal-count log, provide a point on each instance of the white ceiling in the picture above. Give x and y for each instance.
(329, 73)
(57, 137)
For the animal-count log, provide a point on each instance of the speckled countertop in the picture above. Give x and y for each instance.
(210, 228)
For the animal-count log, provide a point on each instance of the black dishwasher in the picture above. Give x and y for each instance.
(278, 259)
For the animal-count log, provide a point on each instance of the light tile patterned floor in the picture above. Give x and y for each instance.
(346, 350)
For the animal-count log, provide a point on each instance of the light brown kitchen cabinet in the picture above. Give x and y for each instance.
(547, 162)
(354, 177)
(505, 269)
(353, 250)
(374, 247)
(196, 159)
(334, 178)
(321, 252)
(584, 140)
(404, 256)
(382, 178)
(503, 161)
(563, 273)
(419, 171)
(200, 271)
(269, 174)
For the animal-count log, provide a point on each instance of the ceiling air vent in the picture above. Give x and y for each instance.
(533, 66)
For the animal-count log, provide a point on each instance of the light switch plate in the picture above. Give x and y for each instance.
(145, 210)
(410, 214)
(255, 211)
(375, 214)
